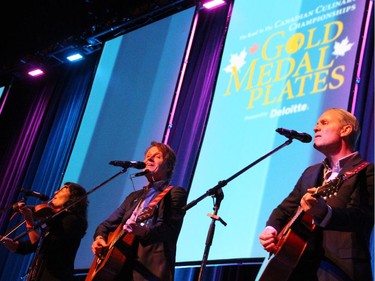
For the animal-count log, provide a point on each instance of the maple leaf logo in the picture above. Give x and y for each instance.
(340, 48)
(236, 60)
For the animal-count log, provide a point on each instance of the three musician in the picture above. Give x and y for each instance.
(137, 242)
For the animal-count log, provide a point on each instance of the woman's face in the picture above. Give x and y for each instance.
(60, 197)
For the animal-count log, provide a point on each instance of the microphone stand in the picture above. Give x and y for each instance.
(44, 221)
(217, 192)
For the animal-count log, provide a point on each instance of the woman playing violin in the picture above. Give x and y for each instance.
(56, 244)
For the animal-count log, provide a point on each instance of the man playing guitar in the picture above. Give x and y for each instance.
(146, 226)
(334, 245)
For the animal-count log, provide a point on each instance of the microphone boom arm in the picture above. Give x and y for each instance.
(223, 183)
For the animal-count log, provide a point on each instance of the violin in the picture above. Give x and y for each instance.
(39, 212)
(42, 211)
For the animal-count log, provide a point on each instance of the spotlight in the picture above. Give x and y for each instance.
(210, 4)
(36, 72)
(74, 57)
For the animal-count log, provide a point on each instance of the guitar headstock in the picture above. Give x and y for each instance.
(330, 188)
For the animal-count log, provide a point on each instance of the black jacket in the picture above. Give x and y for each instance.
(54, 260)
(153, 256)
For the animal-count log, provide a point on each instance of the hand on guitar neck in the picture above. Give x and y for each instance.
(314, 205)
(138, 229)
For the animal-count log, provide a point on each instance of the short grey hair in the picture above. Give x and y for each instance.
(346, 118)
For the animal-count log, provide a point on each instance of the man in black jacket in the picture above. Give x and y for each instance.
(151, 255)
(338, 247)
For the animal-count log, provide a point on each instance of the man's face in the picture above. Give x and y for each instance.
(155, 164)
(328, 133)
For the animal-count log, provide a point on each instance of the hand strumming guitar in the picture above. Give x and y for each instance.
(98, 245)
(268, 239)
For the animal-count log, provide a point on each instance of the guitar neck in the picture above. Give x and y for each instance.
(330, 188)
(292, 221)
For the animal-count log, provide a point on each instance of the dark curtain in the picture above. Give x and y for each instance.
(39, 124)
(197, 90)
(364, 108)
(193, 108)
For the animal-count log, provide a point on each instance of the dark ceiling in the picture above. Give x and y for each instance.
(35, 29)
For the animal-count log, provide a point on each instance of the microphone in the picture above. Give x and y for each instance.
(129, 164)
(35, 194)
(291, 134)
(143, 173)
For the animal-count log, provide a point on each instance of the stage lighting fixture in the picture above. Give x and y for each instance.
(74, 57)
(36, 72)
(211, 4)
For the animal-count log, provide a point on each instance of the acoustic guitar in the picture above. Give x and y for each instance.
(110, 263)
(292, 239)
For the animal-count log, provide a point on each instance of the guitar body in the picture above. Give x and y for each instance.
(292, 240)
(109, 265)
(289, 249)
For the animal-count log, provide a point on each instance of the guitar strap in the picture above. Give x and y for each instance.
(154, 202)
(356, 170)
(160, 196)
(139, 209)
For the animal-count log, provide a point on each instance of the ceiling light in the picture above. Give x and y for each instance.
(210, 4)
(36, 72)
(74, 57)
